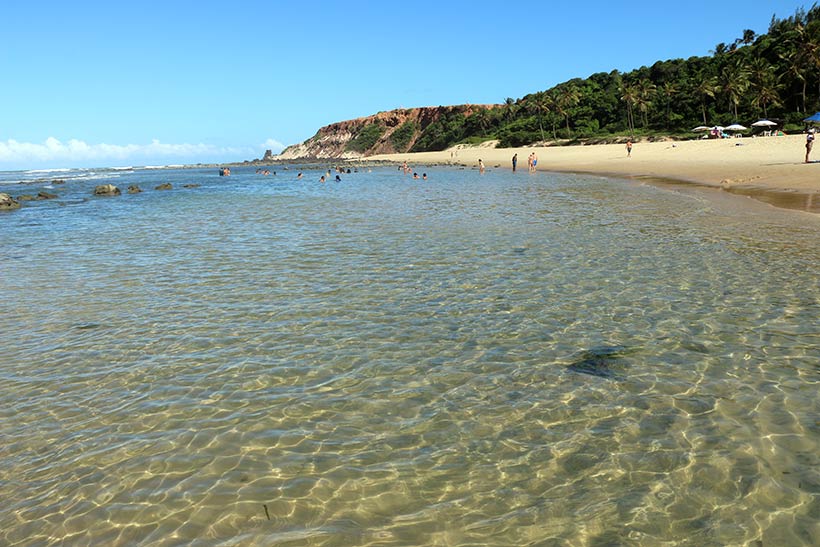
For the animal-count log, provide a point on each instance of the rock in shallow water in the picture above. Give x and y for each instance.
(8, 203)
(106, 190)
(601, 361)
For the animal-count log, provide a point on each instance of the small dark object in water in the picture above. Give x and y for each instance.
(87, 326)
(266, 510)
(598, 361)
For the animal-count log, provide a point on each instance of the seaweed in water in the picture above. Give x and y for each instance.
(599, 361)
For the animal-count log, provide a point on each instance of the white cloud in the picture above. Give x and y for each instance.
(77, 153)
(273, 145)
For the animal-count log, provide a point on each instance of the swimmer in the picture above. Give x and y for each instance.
(322, 179)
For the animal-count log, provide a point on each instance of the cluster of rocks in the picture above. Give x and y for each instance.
(111, 190)
(7, 202)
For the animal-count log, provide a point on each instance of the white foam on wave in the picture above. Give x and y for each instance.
(56, 170)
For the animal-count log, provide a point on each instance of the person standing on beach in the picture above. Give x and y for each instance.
(809, 143)
(514, 161)
(629, 148)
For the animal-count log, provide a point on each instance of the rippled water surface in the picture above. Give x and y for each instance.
(469, 360)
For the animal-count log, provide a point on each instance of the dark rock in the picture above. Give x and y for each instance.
(134, 189)
(601, 361)
(25, 197)
(58, 181)
(106, 190)
(45, 195)
(7, 203)
(164, 186)
(190, 185)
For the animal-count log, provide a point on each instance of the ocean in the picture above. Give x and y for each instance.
(492, 359)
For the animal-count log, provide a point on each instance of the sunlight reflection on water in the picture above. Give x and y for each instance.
(495, 360)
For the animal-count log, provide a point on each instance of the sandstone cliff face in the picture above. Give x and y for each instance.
(339, 140)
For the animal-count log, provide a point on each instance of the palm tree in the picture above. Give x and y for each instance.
(541, 105)
(482, 119)
(798, 50)
(510, 108)
(706, 89)
(767, 94)
(720, 49)
(748, 37)
(645, 91)
(552, 98)
(765, 84)
(567, 97)
(629, 94)
(668, 90)
(733, 82)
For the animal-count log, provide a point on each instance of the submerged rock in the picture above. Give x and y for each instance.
(134, 189)
(190, 185)
(7, 203)
(45, 195)
(106, 190)
(601, 361)
(164, 186)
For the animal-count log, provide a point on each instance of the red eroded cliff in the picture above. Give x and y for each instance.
(382, 133)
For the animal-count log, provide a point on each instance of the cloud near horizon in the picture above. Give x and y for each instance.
(77, 153)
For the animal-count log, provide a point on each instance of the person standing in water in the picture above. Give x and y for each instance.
(514, 161)
(480, 166)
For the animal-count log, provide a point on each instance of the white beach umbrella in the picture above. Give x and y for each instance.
(764, 123)
(735, 127)
(701, 128)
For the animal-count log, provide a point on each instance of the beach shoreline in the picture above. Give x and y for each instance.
(771, 169)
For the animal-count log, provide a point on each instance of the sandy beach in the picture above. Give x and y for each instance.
(768, 167)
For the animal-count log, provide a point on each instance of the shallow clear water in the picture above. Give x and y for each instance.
(470, 360)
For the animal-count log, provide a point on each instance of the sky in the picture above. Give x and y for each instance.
(106, 83)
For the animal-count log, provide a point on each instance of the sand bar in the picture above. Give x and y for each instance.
(769, 168)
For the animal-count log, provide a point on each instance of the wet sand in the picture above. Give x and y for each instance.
(771, 169)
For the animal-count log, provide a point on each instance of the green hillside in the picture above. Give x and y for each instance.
(774, 75)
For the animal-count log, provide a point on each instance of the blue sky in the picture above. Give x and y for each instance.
(101, 83)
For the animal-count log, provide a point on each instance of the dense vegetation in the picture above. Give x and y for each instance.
(366, 138)
(774, 75)
(401, 137)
